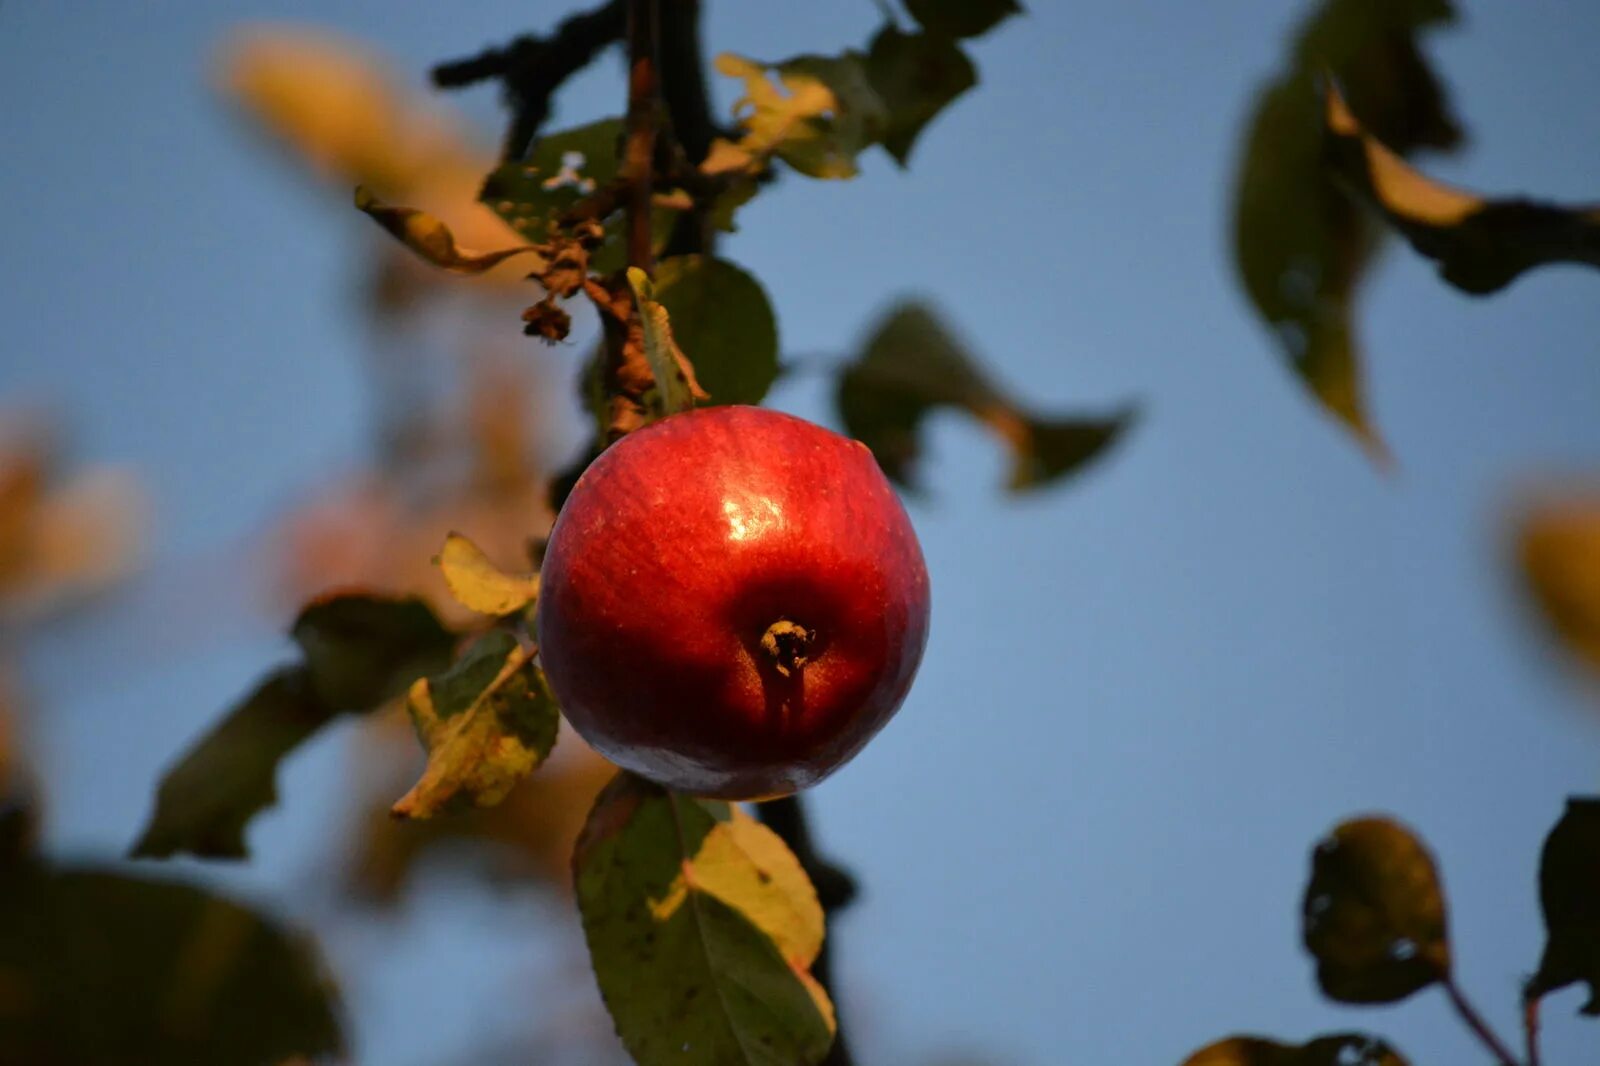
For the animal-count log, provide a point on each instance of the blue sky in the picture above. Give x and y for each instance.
(1147, 692)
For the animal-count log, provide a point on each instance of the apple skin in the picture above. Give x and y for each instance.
(686, 556)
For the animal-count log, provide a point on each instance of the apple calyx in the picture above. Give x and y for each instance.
(787, 643)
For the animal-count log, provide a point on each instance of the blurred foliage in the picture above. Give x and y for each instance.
(1374, 915)
(100, 967)
(702, 928)
(911, 366)
(1481, 245)
(1302, 245)
(1569, 895)
(1559, 547)
(479, 585)
(487, 722)
(962, 18)
(357, 653)
(1338, 1049)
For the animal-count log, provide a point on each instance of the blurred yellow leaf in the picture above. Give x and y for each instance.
(1559, 548)
(478, 584)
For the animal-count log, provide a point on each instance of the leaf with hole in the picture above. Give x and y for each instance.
(487, 722)
(1301, 244)
(1374, 914)
(912, 365)
(702, 929)
(1569, 896)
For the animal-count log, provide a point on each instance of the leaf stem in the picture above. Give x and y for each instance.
(1530, 1028)
(1469, 1014)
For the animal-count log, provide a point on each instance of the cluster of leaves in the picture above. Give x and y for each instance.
(1374, 920)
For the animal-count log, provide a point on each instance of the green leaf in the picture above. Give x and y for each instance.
(1335, 1049)
(912, 365)
(674, 392)
(724, 324)
(229, 776)
(1569, 895)
(362, 651)
(479, 585)
(702, 928)
(1301, 244)
(962, 18)
(433, 241)
(564, 168)
(917, 76)
(358, 652)
(1559, 546)
(819, 115)
(488, 722)
(1480, 245)
(103, 967)
(1374, 915)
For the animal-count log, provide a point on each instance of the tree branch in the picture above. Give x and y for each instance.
(531, 68)
(683, 88)
(835, 889)
(644, 108)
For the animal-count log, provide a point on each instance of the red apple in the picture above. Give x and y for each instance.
(732, 602)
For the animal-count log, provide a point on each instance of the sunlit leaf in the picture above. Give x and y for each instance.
(1481, 245)
(478, 584)
(912, 365)
(1335, 1049)
(917, 75)
(431, 239)
(675, 389)
(701, 928)
(1569, 895)
(487, 722)
(101, 967)
(358, 652)
(1374, 914)
(230, 775)
(722, 320)
(819, 114)
(1559, 544)
(1302, 245)
(962, 18)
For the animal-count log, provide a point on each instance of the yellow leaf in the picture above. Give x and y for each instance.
(432, 240)
(478, 584)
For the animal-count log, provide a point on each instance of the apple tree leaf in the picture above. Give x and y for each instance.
(1480, 245)
(487, 722)
(1334, 1049)
(1559, 546)
(913, 365)
(479, 585)
(962, 18)
(357, 653)
(1302, 244)
(723, 321)
(676, 387)
(433, 241)
(1569, 895)
(702, 928)
(1374, 914)
(563, 168)
(917, 75)
(819, 114)
(104, 967)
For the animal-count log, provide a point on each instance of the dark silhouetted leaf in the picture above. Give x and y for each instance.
(431, 239)
(1569, 894)
(104, 968)
(363, 650)
(479, 585)
(1336, 1049)
(1480, 245)
(916, 76)
(702, 928)
(487, 722)
(912, 365)
(724, 324)
(208, 798)
(818, 116)
(1559, 544)
(962, 18)
(1301, 243)
(1374, 915)
(359, 652)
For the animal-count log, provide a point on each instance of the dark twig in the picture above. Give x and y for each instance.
(644, 108)
(531, 68)
(1475, 1022)
(1530, 1028)
(835, 889)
